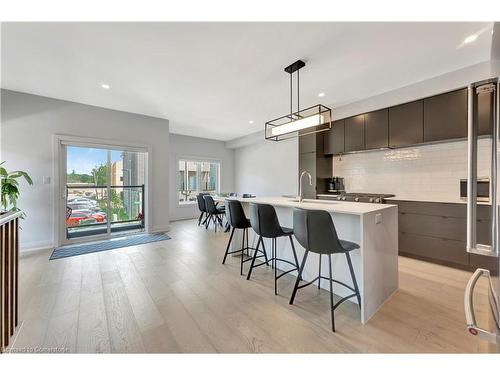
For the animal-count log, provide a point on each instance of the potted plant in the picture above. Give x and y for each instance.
(10, 188)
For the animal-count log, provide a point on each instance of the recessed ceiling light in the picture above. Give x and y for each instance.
(250, 122)
(470, 38)
(105, 86)
(321, 94)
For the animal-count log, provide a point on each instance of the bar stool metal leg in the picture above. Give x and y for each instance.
(319, 272)
(228, 245)
(294, 253)
(299, 277)
(331, 292)
(242, 251)
(265, 253)
(275, 268)
(255, 257)
(353, 276)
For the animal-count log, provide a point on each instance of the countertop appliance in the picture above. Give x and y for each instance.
(490, 330)
(482, 189)
(363, 197)
(335, 185)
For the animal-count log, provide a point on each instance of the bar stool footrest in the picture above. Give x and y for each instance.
(343, 300)
(327, 278)
(249, 259)
(283, 260)
(284, 273)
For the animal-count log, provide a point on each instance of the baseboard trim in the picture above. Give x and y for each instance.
(160, 229)
(34, 250)
(189, 217)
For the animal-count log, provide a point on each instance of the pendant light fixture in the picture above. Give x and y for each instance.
(310, 120)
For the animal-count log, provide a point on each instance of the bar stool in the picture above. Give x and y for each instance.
(265, 223)
(237, 219)
(214, 212)
(315, 231)
(202, 207)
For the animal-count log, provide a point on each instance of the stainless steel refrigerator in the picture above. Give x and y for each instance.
(486, 329)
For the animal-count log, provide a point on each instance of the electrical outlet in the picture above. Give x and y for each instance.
(378, 218)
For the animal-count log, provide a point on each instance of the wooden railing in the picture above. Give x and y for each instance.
(9, 260)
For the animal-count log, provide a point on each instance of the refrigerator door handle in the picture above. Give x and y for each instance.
(470, 317)
(474, 90)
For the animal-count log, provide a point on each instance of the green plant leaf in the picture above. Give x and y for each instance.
(17, 174)
(9, 186)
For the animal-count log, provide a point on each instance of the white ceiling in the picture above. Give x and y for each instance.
(210, 79)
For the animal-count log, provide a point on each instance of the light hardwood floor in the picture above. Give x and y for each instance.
(176, 297)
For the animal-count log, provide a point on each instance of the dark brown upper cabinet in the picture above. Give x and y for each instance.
(445, 116)
(377, 129)
(354, 128)
(485, 113)
(307, 143)
(334, 139)
(406, 124)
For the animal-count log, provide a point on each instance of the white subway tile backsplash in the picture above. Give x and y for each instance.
(424, 172)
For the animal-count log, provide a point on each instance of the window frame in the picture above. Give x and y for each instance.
(198, 160)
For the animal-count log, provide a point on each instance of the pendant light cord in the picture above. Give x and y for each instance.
(298, 91)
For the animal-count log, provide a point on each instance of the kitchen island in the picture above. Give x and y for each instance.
(373, 226)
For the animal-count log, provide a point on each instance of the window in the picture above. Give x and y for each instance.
(197, 177)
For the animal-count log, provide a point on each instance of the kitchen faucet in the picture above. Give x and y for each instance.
(300, 184)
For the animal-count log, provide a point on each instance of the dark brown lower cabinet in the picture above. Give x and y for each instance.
(437, 232)
(433, 248)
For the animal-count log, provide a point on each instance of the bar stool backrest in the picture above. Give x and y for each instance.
(210, 204)
(236, 214)
(264, 220)
(315, 231)
(201, 202)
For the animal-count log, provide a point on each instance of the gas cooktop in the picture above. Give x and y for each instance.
(363, 197)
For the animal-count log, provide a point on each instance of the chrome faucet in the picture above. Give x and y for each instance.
(300, 184)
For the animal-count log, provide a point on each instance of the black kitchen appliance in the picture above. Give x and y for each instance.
(335, 185)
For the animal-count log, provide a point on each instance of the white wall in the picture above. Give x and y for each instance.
(266, 168)
(28, 125)
(182, 146)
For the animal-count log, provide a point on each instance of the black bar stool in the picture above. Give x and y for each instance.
(202, 207)
(265, 223)
(214, 213)
(237, 219)
(315, 231)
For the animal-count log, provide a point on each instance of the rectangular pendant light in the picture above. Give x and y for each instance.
(310, 120)
(297, 125)
(314, 119)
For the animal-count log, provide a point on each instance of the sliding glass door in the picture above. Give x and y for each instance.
(105, 191)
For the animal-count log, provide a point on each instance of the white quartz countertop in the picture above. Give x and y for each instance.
(353, 208)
